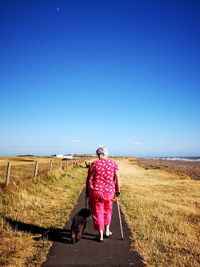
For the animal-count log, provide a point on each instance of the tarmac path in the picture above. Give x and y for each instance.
(88, 252)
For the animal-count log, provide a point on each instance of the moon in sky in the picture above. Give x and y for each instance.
(58, 9)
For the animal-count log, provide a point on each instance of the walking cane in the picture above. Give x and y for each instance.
(120, 220)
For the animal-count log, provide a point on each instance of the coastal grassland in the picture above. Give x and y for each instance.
(163, 212)
(36, 205)
(22, 168)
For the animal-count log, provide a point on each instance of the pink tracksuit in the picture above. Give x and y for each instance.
(101, 186)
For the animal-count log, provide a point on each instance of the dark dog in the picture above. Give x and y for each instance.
(79, 224)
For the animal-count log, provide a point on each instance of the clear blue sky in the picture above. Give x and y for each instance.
(81, 73)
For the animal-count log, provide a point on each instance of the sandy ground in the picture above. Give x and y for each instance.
(189, 168)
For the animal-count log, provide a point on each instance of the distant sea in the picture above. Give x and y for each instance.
(180, 158)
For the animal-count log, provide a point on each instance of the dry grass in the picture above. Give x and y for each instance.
(46, 202)
(22, 168)
(162, 210)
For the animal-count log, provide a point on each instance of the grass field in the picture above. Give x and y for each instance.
(37, 205)
(22, 168)
(162, 211)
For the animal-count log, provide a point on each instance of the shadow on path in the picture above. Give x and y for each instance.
(53, 234)
(88, 252)
(61, 235)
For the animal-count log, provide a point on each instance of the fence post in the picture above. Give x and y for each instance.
(8, 174)
(50, 165)
(36, 169)
(61, 164)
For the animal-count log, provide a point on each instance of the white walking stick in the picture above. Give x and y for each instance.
(120, 219)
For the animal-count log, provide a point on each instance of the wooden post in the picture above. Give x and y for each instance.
(61, 164)
(67, 163)
(8, 174)
(70, 165)
(36, 169)
(50, 165)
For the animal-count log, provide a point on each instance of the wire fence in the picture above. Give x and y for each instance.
(17, 172)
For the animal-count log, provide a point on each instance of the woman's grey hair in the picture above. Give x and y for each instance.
(102, 151)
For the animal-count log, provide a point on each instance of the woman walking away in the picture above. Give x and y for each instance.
(102, 187)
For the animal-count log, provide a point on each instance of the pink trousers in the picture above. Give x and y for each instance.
(101, 208)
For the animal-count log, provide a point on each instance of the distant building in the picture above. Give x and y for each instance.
(68, 156)
(59, 156)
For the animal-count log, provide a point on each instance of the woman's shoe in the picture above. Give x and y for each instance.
(107, 236)
(98, 239)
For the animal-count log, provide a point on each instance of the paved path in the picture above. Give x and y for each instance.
(88, 252)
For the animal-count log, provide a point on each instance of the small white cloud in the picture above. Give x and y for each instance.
(136, 143)
(62, 142)
(75, 141)
(58, 9)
